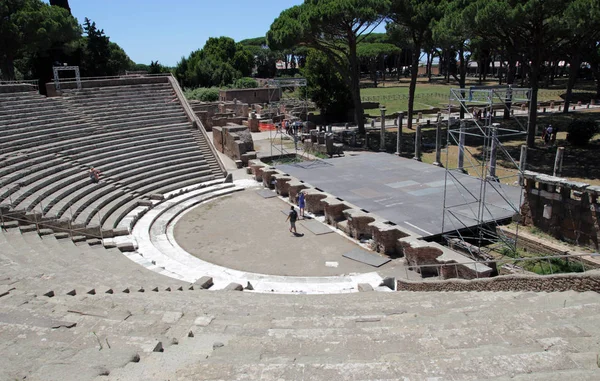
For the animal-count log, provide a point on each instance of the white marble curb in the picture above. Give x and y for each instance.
(158, 251)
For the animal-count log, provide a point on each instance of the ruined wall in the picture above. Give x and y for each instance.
(234, 141)
(258, 95)
(589, 281)
(567, 210)
(88, 84)
(220, 113)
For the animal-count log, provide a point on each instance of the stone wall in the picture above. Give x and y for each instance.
(235, 142)
(86, 84)
(258, 95)
(567, 210)
(589, 281)
(17, 88)
(220, 113)
(386, 237)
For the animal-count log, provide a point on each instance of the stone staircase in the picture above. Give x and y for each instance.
(79, 312)
(137, 135)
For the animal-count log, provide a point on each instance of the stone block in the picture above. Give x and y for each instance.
(205, 282)
(334, 210)
(359, 223)
(282, 184)
(126, 247)
(234, 287)
(364, 287)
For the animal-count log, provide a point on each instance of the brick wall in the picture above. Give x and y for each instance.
(550, 283)
(566, 210)
(258, 95)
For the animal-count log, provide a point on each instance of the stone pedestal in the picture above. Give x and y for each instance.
(399, 135)
(417, 144)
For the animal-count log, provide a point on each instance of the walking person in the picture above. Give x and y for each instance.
(292, 217)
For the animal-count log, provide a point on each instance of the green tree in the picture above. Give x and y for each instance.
(118, 60)
(245, 83)
(96, 50)
(453, 32)
(326, 87)
(413, 19)
(374, 53)
(30, 29)
(335, 28)
(156, 68)
(219, 63)
(61, 3)
(582, 21)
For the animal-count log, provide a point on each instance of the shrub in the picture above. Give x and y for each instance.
(245, 83)
(204, 94)
(580, 132)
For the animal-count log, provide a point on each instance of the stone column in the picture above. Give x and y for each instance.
(522, 163)
(399, 135)
(461, 147)
(558, 161)
(438, 143)
(382, 142)
(418, 143)
(494, 149)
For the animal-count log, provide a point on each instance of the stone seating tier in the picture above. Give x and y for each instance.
(138, 136)
(130, 323)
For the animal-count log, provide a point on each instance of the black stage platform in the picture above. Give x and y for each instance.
(406, 192)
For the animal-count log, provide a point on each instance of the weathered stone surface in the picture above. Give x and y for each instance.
(234, 287)
(205, 282)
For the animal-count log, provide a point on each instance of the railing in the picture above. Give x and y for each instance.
(501, 262)
(195, 120)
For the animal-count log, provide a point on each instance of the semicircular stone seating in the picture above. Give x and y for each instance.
(138, 136)
(153, 240)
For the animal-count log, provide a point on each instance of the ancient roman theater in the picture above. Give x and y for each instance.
(178, 263)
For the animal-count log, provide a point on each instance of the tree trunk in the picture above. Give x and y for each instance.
(534, 80)
(8, 69)
(573, 71)
(430, 66)
(500, 70)
(447, 66)
(510, 79)
(414, 72)
(355, 88)
(596, 72)
(492, 58)
(462, 77)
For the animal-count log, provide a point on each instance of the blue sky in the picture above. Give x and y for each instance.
(167, 30)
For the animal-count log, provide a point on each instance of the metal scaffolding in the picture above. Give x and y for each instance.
(490, 116)
(282, 93)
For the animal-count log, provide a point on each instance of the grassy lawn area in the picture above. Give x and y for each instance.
(394, 95)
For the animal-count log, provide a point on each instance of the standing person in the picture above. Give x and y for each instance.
(548, 134)
(292, 216)
(301, 203)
